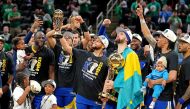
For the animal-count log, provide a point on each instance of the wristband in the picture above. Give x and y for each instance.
(142, 21)
(181, 100)
(84, 27)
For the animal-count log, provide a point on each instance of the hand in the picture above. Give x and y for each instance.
(27, 89)
(37, 23)
(1, 92)
(164, 83)
(5, 88)
(106, 22)
(139, 11)
(104, 99)
(67, 26)
(79, 19)
(179, 106)
(151, 83)
(108, 84)
(22, 66)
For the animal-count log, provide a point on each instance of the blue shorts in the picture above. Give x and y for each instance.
(111, 106)
(84, 103)
(37, 101)
(64, 96)
(188, 106)
(164, 105)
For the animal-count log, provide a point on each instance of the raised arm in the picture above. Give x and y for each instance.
(34, 26)
(102, 29)
(23, 97)
(84, 28)
(66, 46)
(51, 41)
(144, 28)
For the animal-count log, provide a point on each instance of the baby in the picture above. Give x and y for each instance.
(158, 73)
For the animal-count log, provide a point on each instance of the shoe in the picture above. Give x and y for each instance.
(152, 104)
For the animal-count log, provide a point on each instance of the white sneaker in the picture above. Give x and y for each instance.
(152, 104)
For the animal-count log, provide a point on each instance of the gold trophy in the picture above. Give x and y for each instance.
(115, 61)
(57, 20)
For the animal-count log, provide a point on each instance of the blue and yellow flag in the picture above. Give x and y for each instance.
(129, 81)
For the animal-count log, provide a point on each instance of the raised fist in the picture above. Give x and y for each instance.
(106, 22)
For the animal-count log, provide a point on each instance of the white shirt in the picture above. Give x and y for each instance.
(20, 56)
(17, 93)
(48, 101)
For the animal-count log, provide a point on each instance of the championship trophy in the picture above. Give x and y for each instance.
(115, 62)
(57, 20)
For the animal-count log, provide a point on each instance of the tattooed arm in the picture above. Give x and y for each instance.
(186, 96)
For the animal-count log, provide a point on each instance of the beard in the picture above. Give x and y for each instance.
(96, 47)
(119, 40)
(39, 44)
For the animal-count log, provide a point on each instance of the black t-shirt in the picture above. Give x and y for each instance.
(39, 64)
(63, 67)
(183, 79)
(145, 63)
(6, 67)
(79, 46)
(111, 47)
(172, 63)
(91, 72)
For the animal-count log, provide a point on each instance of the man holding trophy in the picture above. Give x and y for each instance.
(128, 81)
(64, 63)
(90, 72)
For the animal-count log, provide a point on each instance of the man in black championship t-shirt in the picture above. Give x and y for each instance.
(41, 65)
(64, 65)
(91, 71)
(165, 42)
(183, 82)
(7, 69)
(63, 70)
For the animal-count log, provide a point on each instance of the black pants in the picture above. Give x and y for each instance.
(4, 100)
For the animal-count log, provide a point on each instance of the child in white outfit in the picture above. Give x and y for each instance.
(21, 97)
(49, 100)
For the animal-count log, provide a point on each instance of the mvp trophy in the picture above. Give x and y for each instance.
(57, 20)
(115, 61)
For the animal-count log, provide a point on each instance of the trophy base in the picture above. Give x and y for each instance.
(58, 35)
(108, 96)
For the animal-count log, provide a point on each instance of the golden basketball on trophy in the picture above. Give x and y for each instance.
(57, 20)
(115, 61)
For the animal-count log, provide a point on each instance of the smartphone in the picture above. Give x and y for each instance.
(40, 17)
